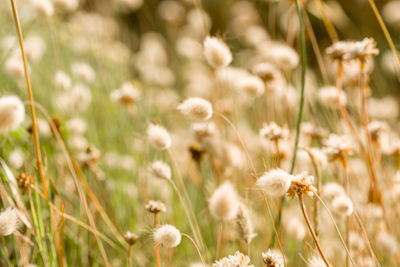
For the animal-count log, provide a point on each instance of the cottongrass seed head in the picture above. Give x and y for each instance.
(216, 52)
(244, 224)
(302, 184)
(12, 113)
(9, 221)
(342, 205)
(275, 182)
(160, 170)
(167, 236)
(224, 202)
(196, 108)
(158, 137)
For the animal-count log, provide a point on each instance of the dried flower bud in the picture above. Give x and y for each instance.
(24, 182)
(131, 238)
(155, 206)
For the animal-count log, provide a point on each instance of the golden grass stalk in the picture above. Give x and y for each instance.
(30, 97)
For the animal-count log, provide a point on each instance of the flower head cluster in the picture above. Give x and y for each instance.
(302, 184)
(337, 147)
(12, 113)
(196, 108)
(237, 260)
(155, 206)
(350, 50)
(126, 95)
(272, 258)
(158, 137)
(272, 131)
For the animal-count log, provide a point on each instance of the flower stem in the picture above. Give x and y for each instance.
(156, 251)
(31, 101)
(303, 210)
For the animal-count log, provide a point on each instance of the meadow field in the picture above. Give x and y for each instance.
(212, 133)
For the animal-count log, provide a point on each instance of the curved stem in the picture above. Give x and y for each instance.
(337, 229)
(197, 248)
(303, 210)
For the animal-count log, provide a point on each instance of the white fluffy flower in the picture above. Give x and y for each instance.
(43, 7)
(275, 182)
(224, 202)
(160, 170)
(217, 52)
(273, 258)
(14, 66)
(167, 236)
(251, 85)
(386, 243)
(16, 158)
(332, 190)
(9, 221)
(126, 95)
(12, 113)
(62, 80)
(83, 71)
(196, 108)
(342, 205)
(35, 47)
(158, 136)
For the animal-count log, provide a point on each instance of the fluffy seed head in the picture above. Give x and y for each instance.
(43, 7)
(244, 224)
(196, 108)
(386, 243)
(332, 190)
(295, 228)
(272, 258)
(126, 95)
(16, 158)
(342, 205)
(160, 170)
(9, 221)
(12, 113)
(272, 131)
(224, 202)
(83, 71)
(62, 80)
(251, 85)
(167, 236)
(217, 53)
(159, 137)
(275, 182)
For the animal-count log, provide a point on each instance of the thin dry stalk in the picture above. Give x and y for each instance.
(156, 250)
(31, 101)
(197, 248)
(303, 210)
(190, 213)
(337, 230)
